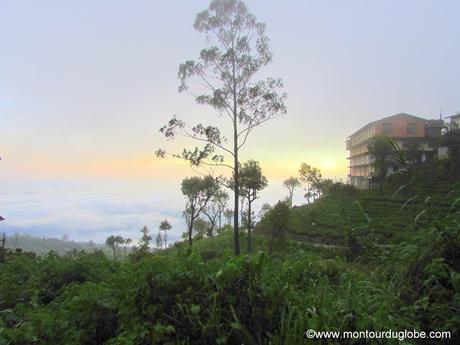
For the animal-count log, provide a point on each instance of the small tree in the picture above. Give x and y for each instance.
(224, 76)
(291, 184)
(213, 211)
(201, 228)
(165, 226)
(221, 200)
(198, 191)
(277, 221)
(251, 182)
(228, 215)
(451, 140)
(311, 176)
(159, 240)
(114, 243)
(381, 150)
(264, 209)
(126, 243)
(144, 243)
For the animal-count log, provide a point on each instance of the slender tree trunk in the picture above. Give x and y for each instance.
(241, 211)
(249, 226)
(190, 229)
(236, 233)
(166, 245)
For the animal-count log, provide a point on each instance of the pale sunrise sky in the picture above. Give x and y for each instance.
(85, 86)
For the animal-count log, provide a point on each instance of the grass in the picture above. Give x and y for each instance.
(391, 216)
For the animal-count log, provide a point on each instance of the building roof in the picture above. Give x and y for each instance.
(370, 124)
(435, 123)
(456, 116)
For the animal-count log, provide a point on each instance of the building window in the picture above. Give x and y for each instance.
(387, 128)
(411, 128)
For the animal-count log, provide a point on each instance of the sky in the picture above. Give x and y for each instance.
(85, 86)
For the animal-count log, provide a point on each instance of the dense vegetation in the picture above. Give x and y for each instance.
(394, 270)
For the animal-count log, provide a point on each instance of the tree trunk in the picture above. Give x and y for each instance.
(249, 226)
(211, 226)
(166, 246)
(236, 234)
(190, 229)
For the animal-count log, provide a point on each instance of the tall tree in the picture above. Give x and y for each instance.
(291, 184)
(381, 151)
(165, 227)
(198, 191)
(144, 243)
(225, 79)
(311, 176)
(251, 182)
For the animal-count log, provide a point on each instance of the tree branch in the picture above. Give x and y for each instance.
(188, 135)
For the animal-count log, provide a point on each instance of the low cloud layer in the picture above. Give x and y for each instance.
(86, 217)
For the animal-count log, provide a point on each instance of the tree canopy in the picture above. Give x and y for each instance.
(291, 184)
(311, 176)
(198, 191)
(165, 227)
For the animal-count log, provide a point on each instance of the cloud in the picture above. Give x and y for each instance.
(87, 216)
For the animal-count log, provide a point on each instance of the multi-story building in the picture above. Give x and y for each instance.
(452, 124)
(454, 121)
(404, 129)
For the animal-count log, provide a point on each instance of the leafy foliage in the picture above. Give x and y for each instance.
(311, 177)
(198, 191)
(291, 184)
